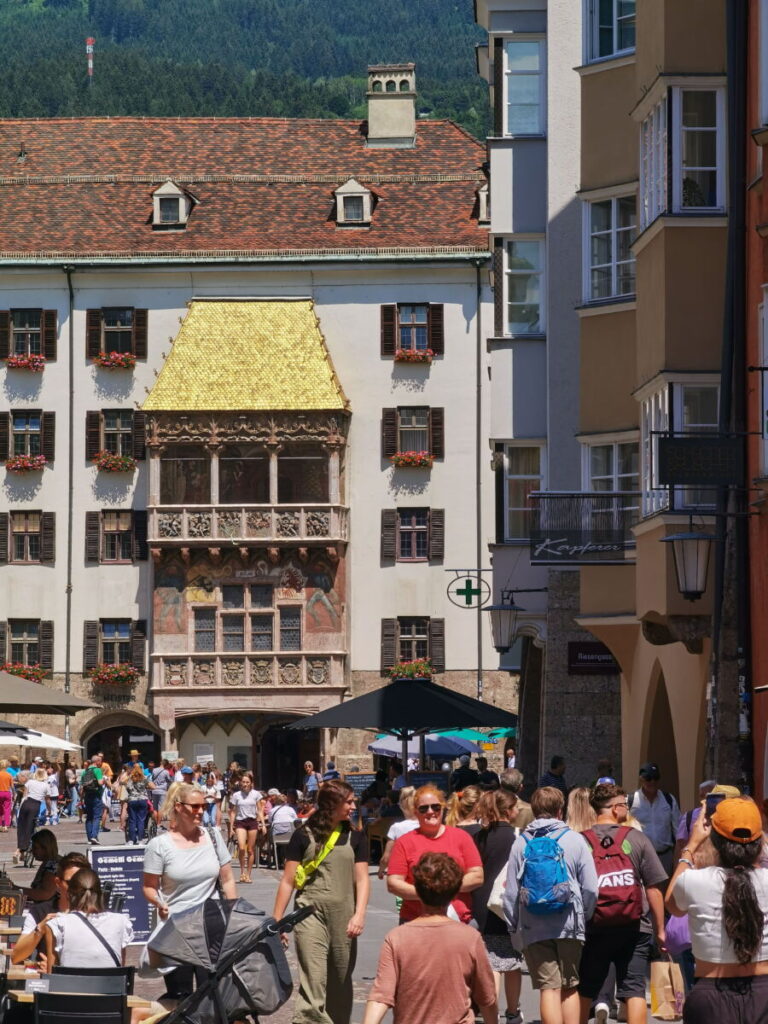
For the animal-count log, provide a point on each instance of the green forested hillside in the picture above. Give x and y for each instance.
(234, 57)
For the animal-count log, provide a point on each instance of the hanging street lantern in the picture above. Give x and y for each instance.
(504, 621)
(691, 551)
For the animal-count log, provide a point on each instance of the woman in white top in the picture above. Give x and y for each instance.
(212, 801)
(282, 817)
(408, 823)
(727, 907)
(246, 815)
(89, 935)
(35, 792)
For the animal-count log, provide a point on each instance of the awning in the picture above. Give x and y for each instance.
(22, 696)
(39, 740)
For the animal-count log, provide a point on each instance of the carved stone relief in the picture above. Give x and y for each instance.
(175, 673)
(258, 524)
(254, 428)
(318, 524)
(233, 673)
(228, 524)
(288, 524)
(169, 524)
(204, 673)
(319, 671)
(261, 672)
(290, 673)
(199, 524)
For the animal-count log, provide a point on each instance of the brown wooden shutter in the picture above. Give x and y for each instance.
(138, 644)
(389, 631)
(48, 538)
(140, 324)
(436, 328)
(388, 330)
(436, 534)
(388, 534)
(140, 549)
(139, 436)
(437, 644)
(48, 436)
(498, 287)
(437, 433)
(50, 333)
(93, 319)
(46, 645)
(498, 465)
(90, 645)
(92, 540)
(3, 641)
(5, 333)
(498, 87)
(92, 434)
(5, 436)
(4, 538)
(388, 432)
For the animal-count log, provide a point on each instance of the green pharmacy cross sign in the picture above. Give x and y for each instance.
(468, 592)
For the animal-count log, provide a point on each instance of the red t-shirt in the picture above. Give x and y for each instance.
(409, 848)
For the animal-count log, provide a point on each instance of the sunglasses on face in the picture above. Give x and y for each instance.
(426, 808)
(195, 808)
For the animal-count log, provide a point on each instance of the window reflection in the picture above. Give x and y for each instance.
(185, 475)
(243, 475)
(302, 474)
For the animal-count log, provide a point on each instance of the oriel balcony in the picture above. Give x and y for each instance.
(583, 528)
(206, 525)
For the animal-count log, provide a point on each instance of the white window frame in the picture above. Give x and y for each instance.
(542, 73)
(542, 478)
(353, 188)
(601, 441)
(652, 198)
(588, 266)
(654, 417)
(682, 495)
(677, 149)
(542, 274)
(170, 190)
(593, 34)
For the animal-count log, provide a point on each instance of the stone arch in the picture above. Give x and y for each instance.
(391, 85)
(405, 85)
(377, 86)
(111, 719)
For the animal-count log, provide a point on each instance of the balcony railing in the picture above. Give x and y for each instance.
(580, 528)
(251, 671)
(200, 525)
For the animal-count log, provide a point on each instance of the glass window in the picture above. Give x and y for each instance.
(25, 536)
(414, 639)
(25, 641)
(413, 429)
(412, 327)
(525, 87)
(26, 433)
(169, 210)
(699, 148)
(653, 164)
(413, 534)
(261, 595)
(233, 632)
(185, 475)
(524, 287)
(523, 474)
(243, 475)
(117, 425)
(696, 412)
(261, 632)
(118, 329)
(611, 262)
(654, 420)
(117, 537)
(353, 208)
(205, 629)
(115, 641)
(290, 629)
(612, 27)
(27, 335)
(302, 474)
(232, 596)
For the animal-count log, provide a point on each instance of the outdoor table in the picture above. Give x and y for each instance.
(18, 972)
(5, 930)
(18, 995)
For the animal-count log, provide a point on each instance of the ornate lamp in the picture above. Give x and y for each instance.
(504, 621)
(691, 551)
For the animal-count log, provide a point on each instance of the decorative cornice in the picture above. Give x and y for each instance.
(251, 428)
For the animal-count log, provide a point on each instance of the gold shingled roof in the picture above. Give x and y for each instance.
(260, 355)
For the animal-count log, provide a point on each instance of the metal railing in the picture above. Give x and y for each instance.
(583, 527)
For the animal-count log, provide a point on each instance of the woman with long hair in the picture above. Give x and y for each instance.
(87, 935)
(35, 792)
(580, 814)
(727, 908)
(137, 798)
(45, 848)
(327, 862)
(246, 820)
(462, 807)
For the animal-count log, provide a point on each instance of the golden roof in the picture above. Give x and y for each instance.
(257, 355)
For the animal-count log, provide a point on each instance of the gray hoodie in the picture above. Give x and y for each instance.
(581, 870)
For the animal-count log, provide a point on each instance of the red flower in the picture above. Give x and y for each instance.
(114, 675)
(35, 363)
(412, 459)
(36, 673)
(110, 462)
(115, 360)
(25, 463)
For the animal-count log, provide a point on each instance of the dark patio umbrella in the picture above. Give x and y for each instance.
(22, 696)
(408, 707)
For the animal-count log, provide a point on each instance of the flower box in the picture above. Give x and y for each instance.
(17, 668)
(34, 363)
(114, 675)
(421, 668)
(25, 463)
(413, 355)
(110, 462)
(412, 459)
(115, 360)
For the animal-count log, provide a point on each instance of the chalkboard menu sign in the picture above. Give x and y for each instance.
(439, 779)
(123, 866)
(359, 781)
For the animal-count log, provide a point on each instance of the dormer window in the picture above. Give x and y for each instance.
(171, 207)
(353, 204)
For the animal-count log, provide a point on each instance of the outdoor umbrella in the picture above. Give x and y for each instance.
(32, 738)
(434, 746)
(409, 707)
(22, 696)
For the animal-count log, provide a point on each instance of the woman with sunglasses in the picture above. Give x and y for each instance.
(183, 866)
(432, 836)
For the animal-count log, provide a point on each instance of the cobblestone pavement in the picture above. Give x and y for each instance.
(380, 919)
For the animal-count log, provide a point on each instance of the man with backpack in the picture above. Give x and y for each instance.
(91, 786)
(629, 911)
(551, 892)
(658, 813)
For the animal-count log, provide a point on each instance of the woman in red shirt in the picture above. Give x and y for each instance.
(432, 836)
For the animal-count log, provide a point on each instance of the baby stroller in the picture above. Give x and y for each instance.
(240, 963)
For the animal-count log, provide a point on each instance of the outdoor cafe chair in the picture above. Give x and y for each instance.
(100, 975)
(276, 842)
(75, 1008)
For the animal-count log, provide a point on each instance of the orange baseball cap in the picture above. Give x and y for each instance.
(738, 819)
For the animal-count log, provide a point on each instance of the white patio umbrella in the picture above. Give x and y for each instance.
(32, 738)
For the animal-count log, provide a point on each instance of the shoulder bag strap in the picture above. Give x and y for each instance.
(305, 870)
(102, 940)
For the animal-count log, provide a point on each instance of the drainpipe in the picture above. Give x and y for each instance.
(70, 491)
(479, 464)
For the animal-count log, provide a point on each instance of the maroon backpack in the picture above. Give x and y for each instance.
(620, 895)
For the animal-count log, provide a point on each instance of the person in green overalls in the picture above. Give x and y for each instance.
(327, 866)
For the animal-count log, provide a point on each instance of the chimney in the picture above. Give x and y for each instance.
(392, 106)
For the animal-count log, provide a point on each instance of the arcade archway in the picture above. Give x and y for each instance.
(116, 734)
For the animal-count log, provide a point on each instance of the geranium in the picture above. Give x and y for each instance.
(420, 668)
(412, 459)
(115, 360)
(111, 462)
(414, 355)
(25, 463)
(17, 668)
(114, 675)
(35, 363)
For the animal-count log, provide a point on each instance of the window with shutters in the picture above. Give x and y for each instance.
(290, 629)
(413, 429)
(115, 641)
(412, 534)
(120, 329)
(25, 641)
(523, 473)
(413, 639)
(26, 332)
(117, 537)
(26, 536)
(117, 428)
(412, 327)
(27, 433)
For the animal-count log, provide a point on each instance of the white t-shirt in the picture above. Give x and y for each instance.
(211, 794)
(401, 828)
(36, 790)
(700, 892)
(282, 818)
(77, 946)
(188, 876)
(246, 806)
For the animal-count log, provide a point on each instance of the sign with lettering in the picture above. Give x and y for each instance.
(589, 657)
(123, 866)
(359, 781)
(701, 461)
(575, 547)
(439, 779)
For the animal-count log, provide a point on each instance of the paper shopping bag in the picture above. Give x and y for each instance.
(667, 990)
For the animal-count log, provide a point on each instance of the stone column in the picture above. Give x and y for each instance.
(274, 450)
(154, 475)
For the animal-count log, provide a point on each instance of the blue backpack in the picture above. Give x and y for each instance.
(545, 887)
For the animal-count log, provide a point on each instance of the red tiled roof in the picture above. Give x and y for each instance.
(85, 186)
